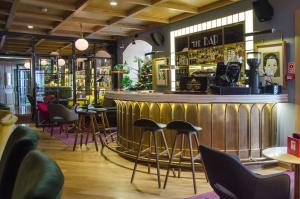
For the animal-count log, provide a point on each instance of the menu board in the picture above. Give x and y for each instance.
(216, 37)
(206, 39)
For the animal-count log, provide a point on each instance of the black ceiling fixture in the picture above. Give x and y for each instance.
(263, 10)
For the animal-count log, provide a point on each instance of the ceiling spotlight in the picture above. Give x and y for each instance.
(133, 42)
(30, 26)
(113, 3)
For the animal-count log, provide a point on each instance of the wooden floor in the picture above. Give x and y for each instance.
(94, 175)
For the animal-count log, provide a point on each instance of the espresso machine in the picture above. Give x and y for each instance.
(253, 60)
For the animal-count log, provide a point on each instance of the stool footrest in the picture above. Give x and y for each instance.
(178, 154)
(163, 152)
(145, 150)
(196, 156)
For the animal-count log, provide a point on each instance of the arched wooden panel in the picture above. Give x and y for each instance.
(124, 123)
(244, 130)
(255, 131)
(165, 118)
(178, 112)
(191, 116)
(129, 123)
(136, 110)
(232, 128)
(218, 126)
(204, 116)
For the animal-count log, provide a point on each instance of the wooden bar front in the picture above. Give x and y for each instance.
(243, 125)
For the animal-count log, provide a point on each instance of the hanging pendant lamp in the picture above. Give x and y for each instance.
(81, 44)
(61, 62)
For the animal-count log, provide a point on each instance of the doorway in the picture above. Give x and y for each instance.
(15, 84)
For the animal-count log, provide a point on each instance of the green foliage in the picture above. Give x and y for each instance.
(145, 75)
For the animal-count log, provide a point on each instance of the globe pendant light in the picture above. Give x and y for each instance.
(44, 62)
(81, 44)
(61, 62)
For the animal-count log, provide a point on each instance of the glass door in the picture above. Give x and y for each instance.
(23, 88)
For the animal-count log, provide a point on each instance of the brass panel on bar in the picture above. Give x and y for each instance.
(237, 128)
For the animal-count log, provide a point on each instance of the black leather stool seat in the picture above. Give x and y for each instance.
(149, 124)
(183, 126)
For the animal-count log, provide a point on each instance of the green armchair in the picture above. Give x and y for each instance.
(39, 177)
(21, 141)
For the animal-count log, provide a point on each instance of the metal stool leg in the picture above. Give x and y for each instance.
(137, 157)
(192, 162)
(170, 161)
(107, 126)
(76, 136)
(202, 164)
(92, 124)
(103, 125)
(181, 154)
(150, 152)
(157, 160)
(167, 149)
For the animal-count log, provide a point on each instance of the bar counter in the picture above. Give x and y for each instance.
(243, 125)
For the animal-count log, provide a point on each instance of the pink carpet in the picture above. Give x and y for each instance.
(70, 139)
(213, 195)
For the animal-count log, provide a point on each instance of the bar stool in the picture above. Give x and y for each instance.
(184, 129)
(154, 128)
(81, 128)
(104, 123)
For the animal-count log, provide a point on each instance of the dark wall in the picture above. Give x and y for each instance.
(283, 20)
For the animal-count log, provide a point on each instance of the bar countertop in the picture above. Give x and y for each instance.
(142, 96)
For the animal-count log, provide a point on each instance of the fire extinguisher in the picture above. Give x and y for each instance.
(291, 71)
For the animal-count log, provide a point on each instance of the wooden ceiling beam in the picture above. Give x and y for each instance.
(44, 17)
(203, 9)
(130, 13)
(81, 4)
(152, 19)
(139, 2)
(215, 5)
(64, 47)
(36, 44)
(45, 26)
(112, 33)
(76, 29)
(48, 4)
(11, 14)
(97, 11)
(3, 38)
(9, 21)
(128, 26)
(32, 31)
(88, 21)
(178, 6)
(180, 17)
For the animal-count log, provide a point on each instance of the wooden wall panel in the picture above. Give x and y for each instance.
(204, 116)
(231, 135)
(218, 126)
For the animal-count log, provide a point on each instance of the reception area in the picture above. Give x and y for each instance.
(149, 99)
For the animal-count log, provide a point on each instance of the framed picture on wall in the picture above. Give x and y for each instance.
(162, 74)
(273, 61)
